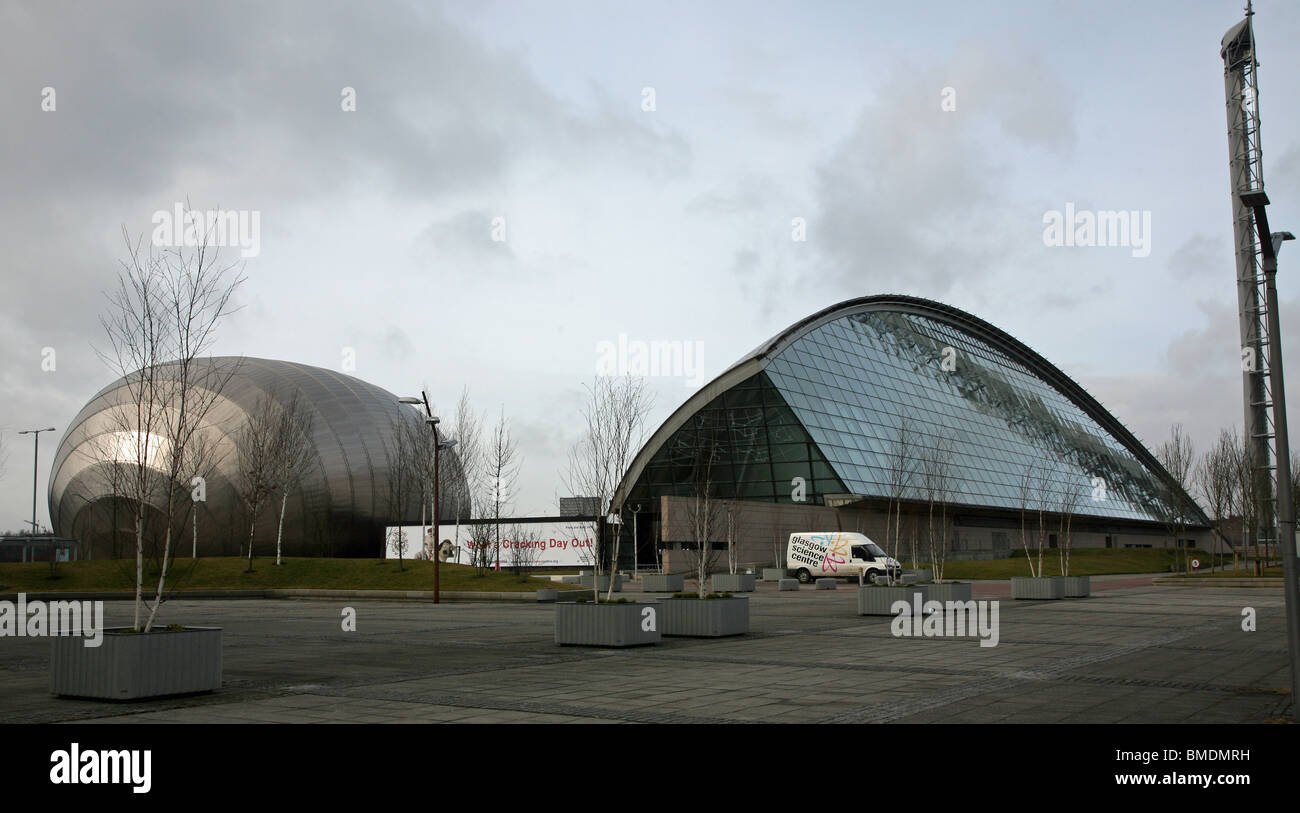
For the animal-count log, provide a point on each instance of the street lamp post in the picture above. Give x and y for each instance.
(438, 445)
(1269, 243)
(36, 458)
(636, 551)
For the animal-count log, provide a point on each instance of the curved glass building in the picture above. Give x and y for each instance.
(843, 410)
(340, 508)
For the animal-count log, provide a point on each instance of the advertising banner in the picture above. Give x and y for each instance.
(533, 544)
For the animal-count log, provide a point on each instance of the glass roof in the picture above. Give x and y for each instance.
(855, 381)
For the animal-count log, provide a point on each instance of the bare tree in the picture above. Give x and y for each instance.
(481, 543)
(501, 471)
(255, 474)
(524, 550)
(733, 546)
(1215, 480)
(400, 452)
(1069, 498)
(466, 476)
(901, 474)
(703, 507)
(162, 319)
(205, 454)
(936, 483)
(778, 545)
(1034, 498)
(613, 428)
(1178, 457)
(294, 455)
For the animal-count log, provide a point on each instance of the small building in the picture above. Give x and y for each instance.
(38, 548)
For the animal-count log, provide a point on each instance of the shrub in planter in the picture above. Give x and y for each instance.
(1077, 586)
(879, 600)
(714, 616)
(733, 582)
(130, 665)
(609, 623)
(1044, 588)
(663, 582)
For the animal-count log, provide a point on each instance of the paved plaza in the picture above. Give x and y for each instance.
(1131, 653)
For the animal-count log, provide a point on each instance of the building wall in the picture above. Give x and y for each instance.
(763, 528)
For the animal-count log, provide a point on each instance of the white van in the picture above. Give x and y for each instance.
(837, 555)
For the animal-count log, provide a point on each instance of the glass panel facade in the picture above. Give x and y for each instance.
(758, 446)
(852, 381)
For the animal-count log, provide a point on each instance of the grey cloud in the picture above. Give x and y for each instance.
(912, 199)
(465, 237)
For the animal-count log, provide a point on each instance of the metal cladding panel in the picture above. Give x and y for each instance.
(340, 507)
(134, 666)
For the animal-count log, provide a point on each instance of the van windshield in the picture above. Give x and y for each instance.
(874, 549)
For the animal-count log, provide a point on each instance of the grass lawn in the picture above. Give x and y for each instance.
(227, 573)
(1090, 562)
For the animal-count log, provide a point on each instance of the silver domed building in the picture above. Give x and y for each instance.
(340, 507)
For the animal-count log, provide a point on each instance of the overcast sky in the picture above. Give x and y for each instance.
(664, 224)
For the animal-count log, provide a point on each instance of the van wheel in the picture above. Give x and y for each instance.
(805, 577)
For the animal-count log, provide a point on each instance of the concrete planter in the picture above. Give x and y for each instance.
(826, 584)
(914, 576)
(1077, 586)
(787, 584)
(589, 624)
(548, 595)
(880, 600)
(1043, 589)
(949, 592)
(773, 574)
(604, 582)
(571, 580)
(705, 617)
(663, 583)
(134, 666)
(733, 582)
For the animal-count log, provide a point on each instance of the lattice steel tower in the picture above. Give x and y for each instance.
(1241, 85)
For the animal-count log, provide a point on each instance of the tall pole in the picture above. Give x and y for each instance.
(1246, 176)
(636, 551)
(36, 462)
(437, 531)
(1285, 494)
(1260, 325)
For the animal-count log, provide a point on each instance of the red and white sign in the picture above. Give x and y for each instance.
(538, 544)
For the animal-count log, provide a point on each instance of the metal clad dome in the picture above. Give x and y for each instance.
(340, 508)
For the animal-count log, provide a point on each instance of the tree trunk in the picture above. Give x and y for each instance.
(251, 527)
(139, 564)
(279, 532)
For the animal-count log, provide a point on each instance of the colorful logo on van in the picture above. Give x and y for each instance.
(835, 551)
